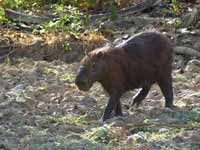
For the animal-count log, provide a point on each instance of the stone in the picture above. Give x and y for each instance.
(163, 130)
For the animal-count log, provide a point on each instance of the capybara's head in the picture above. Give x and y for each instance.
(93, 68)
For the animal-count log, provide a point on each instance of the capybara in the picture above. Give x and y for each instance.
(138, 62)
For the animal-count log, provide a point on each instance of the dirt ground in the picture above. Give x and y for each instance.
(41, 108)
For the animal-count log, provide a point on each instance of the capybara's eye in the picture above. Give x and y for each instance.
(93, 66)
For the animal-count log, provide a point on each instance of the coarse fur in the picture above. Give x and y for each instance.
(138, 62)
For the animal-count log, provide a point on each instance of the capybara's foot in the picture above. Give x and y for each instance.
(170, 106)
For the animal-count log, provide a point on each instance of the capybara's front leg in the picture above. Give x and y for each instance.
(142, 93)
(167, 90)
(118, 110)
(112, 105)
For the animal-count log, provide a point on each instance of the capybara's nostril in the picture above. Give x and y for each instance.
(80, 82)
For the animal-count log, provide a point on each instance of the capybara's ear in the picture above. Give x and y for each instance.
(100, 54)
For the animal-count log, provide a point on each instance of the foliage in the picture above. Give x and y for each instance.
(2, 13)
(25, 4)
(13, 3)
(69, 21)
(143, 129)
(172, 133)
(99, 134)
(175, 6)
(67, 47)
(113, 12)
(74, 120)
(194, 116)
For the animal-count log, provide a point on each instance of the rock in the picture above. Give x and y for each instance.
(69, 98)
(193, 66)
(1, 115)
(18, 87)
(37, 139)
(168, 110)
(21, 132)
(2, 129)
(132, 30)
(130, 140)
(173, 117)
(3, 146)
(178, 139)
(10, 144)
(74, 136)
(20, 100)
(88, 101)
(195, 139)
(41, 121)
(197, 80)
(148, 146)
(192, 136)
(197, 44)
(32, 75)
(17, 94)
(90, 117)
(163, 130)
(118, 121)
(179, 61)
(138, 138)
(196, 110)
(106, 25)
(72, 128)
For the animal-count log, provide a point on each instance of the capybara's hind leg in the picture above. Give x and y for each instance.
(118, 110)
(108, 111)
(167, 90)
(142, 93)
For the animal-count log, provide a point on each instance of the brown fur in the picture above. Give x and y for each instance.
(138, 62)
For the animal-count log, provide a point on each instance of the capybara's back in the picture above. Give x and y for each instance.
(152, 47)
(149, 58)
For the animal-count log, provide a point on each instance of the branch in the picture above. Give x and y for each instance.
(24, 17)
(130, 10)
(186, 51)
(164, 125)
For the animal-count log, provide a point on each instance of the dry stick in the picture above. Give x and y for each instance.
(24, 17)
(7, 55)
(8, 52)
(186, 51)
(164, 125)
(130, 10)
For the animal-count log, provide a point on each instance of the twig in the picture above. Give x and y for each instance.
(164, 125)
